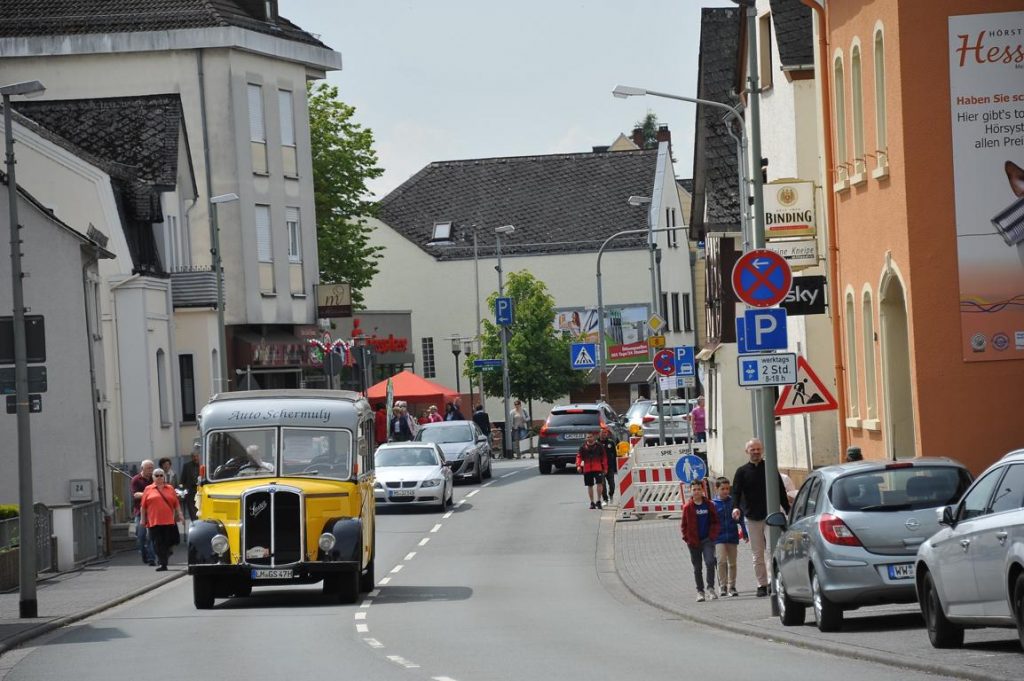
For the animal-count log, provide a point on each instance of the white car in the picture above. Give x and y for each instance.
(971, 572)
(412, 474)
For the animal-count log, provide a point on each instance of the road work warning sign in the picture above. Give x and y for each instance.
(808, 394)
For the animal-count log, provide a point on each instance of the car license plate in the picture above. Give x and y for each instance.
(271, 573)
(403, 493)
(901, 571)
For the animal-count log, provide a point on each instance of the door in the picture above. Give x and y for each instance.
(807, 528)
(791, 539)
(953, 551)
(991, 544)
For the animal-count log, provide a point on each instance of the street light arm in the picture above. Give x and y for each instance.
(624, 91)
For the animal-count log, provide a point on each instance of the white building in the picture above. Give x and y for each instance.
(563, 207)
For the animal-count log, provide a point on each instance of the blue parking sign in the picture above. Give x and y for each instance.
(685, 365)
(503, 311)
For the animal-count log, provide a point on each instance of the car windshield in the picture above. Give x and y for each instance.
(316, 451)
(672, 409)
(406, 456)
(445, 434)
(899, 489)
(574, 418)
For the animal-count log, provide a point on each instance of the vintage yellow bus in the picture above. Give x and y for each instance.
(286, 494)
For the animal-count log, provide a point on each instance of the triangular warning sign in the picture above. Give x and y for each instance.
(583, 358)
(806, 395)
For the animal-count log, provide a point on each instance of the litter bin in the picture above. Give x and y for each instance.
(498, 440)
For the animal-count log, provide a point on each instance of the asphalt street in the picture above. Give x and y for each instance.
(513, 583)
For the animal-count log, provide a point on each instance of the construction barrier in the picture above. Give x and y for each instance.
(648, 484)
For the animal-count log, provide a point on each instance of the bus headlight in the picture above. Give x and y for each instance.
(326, 542)
(219, 543)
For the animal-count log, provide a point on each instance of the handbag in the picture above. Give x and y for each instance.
(176, 535)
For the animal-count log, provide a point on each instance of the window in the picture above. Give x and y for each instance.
(812, 498)
(868, 323)
(429, 370)
(851, 356)
(292, 224)
(161, 387)
(286, 111)
(257, 129)
(687, 318)
(840, 123)
(186, 374)
(1010, 495)
(859, 166)
(899, 489)
(675, 312)
(976, 502)
(670, 221)
(442, 231)
(764, 50)
(881, 137)
(264, 248)
(664, 306)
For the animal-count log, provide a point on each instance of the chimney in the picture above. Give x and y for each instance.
(663, 134)
(638, 137)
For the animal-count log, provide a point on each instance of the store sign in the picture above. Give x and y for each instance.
(799, 253)
(789, 209)
(388, 333)
(333, 300)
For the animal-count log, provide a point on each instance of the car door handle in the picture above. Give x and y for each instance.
(1001, 536)
(965, 544)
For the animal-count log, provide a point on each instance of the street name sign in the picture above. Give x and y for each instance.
(756, 371)
(503, 311)
(808, 394)
(762, 330)
(799, 253)
(487, 364)
(806, 296)
(761, 278)
(583, 356)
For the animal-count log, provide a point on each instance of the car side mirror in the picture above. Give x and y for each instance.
(777, 519)
(946, 516)
(481, 438)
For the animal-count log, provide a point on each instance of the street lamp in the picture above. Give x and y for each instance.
(467, 347)
(27, 605)
(507, 444)
(457, 350)
(217, 267)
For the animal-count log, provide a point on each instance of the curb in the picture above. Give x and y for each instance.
(606, 546)
(46, 627)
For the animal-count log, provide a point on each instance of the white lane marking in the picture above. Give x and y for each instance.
(373, 594)
(410, 555)
(488, 484)
(367, 602)
(435, 528)
(362, 628)
(472, 493)
(398, 659)
(373, 643)
(442, 678)
(447, 515)
(508, 475)
(423, 542)
(361, 615)
(460, 502)
(383, 581)
(397, 568)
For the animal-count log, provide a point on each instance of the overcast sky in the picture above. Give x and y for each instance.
(456, 79)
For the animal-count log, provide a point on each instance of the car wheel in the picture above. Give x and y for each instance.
(202, 592)
(348, 587)
(545, 467)
(941, 632)
(791, 613)
(488, 473)
(477, 473)
(827, 615)
(1018, 606)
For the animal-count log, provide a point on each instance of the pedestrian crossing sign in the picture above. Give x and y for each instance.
(583, 356)
(808, 394)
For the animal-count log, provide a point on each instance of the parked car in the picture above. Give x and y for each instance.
(971, 572)
(466, 449)
(675, 413)
(565, 429)
(633, 419)
(412, 474)
(853, 533)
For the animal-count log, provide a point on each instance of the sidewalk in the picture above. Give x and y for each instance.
(651, 560)
(71, 596)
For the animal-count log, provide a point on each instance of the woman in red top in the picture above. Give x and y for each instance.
(590, 460)
(160, 512)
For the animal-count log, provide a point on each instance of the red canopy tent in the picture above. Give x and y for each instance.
(412, 388)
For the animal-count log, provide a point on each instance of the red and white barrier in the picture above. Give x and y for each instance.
(648, 484)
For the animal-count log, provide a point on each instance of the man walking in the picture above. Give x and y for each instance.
(190, 481)
(609, 445)
(750, 494)
(590, 460)
(481, 419)
(139, 483)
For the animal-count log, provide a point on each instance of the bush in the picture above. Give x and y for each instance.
(8, 511)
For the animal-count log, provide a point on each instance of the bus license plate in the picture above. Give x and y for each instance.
(267, 573)
(901, 571)
(403, 493)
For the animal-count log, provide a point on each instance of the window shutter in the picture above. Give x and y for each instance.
(264, 250)
(257, 131)
(284, 103)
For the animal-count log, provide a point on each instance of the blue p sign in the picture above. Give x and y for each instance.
(503, 311)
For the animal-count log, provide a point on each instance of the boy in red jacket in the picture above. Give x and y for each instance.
(590, 460)
(699, 527)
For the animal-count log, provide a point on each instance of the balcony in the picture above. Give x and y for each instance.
(194, 287)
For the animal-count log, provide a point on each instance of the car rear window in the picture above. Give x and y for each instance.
(580, 418)
(680, 409)
(900, 489)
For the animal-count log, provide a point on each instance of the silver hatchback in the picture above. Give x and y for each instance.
(852, 535)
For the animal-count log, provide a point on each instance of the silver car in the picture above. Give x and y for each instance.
(466, 449)
(852, 535)
(971, 572)
(412, 474)
(676, 415)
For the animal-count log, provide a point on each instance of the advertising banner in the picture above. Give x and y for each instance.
(625, 330)
(986, 83)
(789, 209)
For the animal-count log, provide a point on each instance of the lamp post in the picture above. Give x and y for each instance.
(27, 605)
(467, 347)
(457, 350)
(215, 201)
(507, 444)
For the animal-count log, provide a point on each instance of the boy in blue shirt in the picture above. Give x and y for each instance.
(728, 538)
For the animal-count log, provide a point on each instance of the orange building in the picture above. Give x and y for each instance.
(927, 128)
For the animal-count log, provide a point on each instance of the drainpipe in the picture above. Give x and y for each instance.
(101, 470)
(830, 203)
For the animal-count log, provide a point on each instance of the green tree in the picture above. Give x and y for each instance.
(343, 161)
(538, 355)
(649, 125)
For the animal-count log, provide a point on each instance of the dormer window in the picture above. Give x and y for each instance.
(442, 231)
